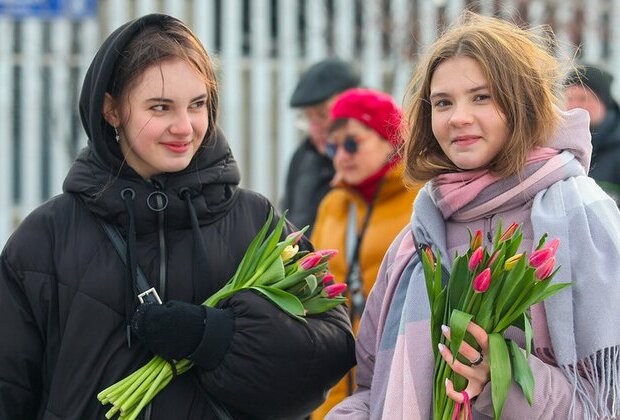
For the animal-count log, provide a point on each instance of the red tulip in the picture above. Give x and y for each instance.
(553, 245)
(327, 254)
(310, 261)
(476, 241)
(328, 279)
(476, 259)
(430, 255)
(508, 232)
(334, 289)
(482, 281)
(545, 269)
(539, 257)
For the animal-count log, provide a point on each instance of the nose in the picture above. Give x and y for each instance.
(460, 116)
(182, 124)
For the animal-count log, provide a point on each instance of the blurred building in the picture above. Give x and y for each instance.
(261, 47)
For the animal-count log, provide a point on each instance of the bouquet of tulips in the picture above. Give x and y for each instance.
(494, 289)
(298, 282)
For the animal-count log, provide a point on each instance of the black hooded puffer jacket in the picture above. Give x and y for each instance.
(65, 299)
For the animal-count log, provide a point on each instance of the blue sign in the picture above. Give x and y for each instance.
(74, 9)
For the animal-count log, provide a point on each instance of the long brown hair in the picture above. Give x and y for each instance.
(524, 80)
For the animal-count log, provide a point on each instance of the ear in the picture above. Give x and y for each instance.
(110, 111)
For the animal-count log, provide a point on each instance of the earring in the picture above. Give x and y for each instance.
(116, 135)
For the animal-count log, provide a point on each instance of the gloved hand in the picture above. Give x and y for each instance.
(172, 330)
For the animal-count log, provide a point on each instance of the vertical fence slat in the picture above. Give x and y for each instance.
(316, 30)
(454, 9)
(372, 74)
(260, 140)
(592, 42)
(287, 78)
(401, 38)
(89, 42)
(344, 29)
(31, 112)
(117, 13)
(232, 82)
(564, 15)
(427, 14)
(615, 46)
(6, 130)
(144, 7)
(203, 13)
(487, 7)
(536, 13)
(175, 8)
(60, 123)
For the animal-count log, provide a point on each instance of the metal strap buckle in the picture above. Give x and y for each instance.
(151, 291)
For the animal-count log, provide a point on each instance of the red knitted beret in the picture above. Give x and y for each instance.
(372, 108)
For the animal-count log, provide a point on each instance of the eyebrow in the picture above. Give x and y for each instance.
(472, 90)
(168, 100)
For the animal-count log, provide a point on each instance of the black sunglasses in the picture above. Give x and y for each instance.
(349, 144)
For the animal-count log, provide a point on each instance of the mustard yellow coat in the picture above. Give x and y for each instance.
(391, 212)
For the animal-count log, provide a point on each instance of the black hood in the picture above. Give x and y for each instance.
(99, 174)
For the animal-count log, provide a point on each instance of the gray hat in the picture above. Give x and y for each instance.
(597, 79)
(322, 80)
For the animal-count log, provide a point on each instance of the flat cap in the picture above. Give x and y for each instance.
(322, 80)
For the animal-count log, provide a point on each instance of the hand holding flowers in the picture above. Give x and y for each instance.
(297, 282)
(486, 292)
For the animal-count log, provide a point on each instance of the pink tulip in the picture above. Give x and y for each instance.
(327, 254)
(328, 279)
(430, 255)
(553, 245)
(310, 261)
(476, 259)
(539, 257)
(334, 290)
(482, 281)
(476, 241)
(493, 258)
(545, 269)
(508, 232)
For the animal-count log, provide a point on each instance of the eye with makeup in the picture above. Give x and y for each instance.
(441, 103)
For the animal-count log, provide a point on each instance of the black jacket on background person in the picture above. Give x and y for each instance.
(65, 298)
(307, 182)
(606, 153)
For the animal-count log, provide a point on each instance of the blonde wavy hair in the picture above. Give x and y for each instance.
(524, 80)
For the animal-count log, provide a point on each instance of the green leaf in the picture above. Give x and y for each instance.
(460, 282)
(458, 324)
(320, 304)
(529, 334)
(284, 300)
(437, 318)
(501, 377)
(250, 257)
(429, 276)
(274, 273)
(542, 241)
(521, 371)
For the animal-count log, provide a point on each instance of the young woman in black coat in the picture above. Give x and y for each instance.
(157, 168)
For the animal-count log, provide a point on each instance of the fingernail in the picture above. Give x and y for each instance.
(441, 347)
(444, 329)
(447, 381)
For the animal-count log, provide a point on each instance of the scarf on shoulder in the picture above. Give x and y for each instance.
(582, 319)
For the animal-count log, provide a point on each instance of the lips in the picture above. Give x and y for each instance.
(177, 147)
(465, 140)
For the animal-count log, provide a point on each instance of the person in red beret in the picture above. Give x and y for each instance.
(369, 203)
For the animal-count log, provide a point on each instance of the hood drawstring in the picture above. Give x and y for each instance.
(128, 195)
(199, 251)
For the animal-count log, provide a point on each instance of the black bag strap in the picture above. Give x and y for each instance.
(144, 291)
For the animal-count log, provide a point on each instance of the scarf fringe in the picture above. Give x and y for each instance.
(595, 381)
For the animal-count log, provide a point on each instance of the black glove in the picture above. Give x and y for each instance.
(172, 330)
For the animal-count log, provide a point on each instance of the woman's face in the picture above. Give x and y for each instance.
(355, 163)
(163, 120)
(469, 127)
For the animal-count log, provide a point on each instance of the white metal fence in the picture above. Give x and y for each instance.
(261, 47)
